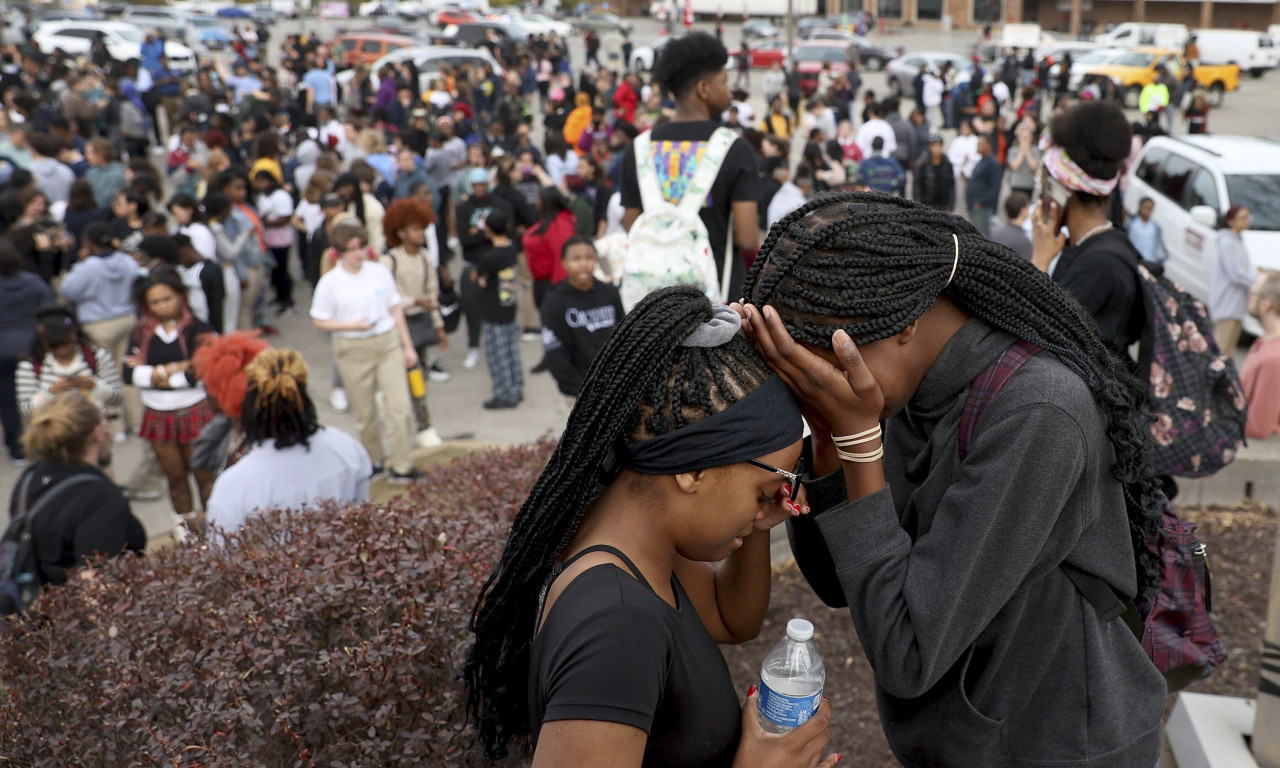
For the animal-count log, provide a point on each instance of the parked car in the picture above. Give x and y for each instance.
(353, 48)
(812, 55)
(1254, 52)
(872, 57)
(1086, 61)
(123, 41)
(903, 70)
(601, 22)
(428, 59)
(541, 24)
(210, 32)
(1135, 33)
(644, 56)
(234, 12)
(1138, 67)
(766, 53)
(446, 15)
(473, 33)
(755, 29)
(1193, 180)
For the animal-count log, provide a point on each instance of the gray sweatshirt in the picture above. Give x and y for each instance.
(984, 652)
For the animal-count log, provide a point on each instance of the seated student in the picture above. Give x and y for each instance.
(292, 460)
(578, 315)
(1261, 372)
(643, 544)
(952, 559)
(62, 358)
(83, 513)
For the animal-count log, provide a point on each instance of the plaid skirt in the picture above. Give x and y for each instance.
(180, 426)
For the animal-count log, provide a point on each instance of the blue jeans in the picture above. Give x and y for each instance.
(981, 218)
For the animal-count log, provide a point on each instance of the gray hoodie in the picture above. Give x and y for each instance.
(101, 287)
(984, 652)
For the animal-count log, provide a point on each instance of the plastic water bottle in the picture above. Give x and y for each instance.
(791, 680)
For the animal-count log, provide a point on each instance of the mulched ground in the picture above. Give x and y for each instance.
(1241, 543)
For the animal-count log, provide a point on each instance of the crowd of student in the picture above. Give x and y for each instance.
(410, 206)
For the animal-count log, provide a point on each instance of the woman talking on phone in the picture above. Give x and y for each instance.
(1082, 162)
(957, 539)
(643, 544)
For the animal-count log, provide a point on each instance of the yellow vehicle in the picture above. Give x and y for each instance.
(1139, 66)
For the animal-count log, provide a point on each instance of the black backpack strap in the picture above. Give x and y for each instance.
(1104, 599)
(21, 524)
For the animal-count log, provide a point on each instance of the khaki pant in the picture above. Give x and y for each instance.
(372, 364)
(113, 336)
(254, 283)
(529, 317)
(1227, 334)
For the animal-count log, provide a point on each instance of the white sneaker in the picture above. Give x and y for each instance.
(429, 438)
(473, 359)
(531, 336)
(338, 399)
(436, 373)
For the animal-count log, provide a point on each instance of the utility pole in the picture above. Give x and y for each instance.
(1266, 728)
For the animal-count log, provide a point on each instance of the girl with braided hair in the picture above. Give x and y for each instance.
(644, 543)
(958, 557)
(292, 460)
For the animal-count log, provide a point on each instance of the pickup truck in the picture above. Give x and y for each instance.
(1139, 67)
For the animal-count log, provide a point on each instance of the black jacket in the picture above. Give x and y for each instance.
(471, 213)
(575, 325)
(934, 185)
(86, 519)
(1102, 274)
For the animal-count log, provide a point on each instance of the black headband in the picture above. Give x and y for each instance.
(764, 421)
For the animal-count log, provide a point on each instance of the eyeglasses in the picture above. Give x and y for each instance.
(793, 477)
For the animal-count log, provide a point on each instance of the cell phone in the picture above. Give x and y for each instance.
(1053, 191)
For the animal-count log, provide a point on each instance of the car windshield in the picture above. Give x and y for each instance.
(1258, 193)
(207, 23)
(1095, 57)
(129, 34)
(1135, 60)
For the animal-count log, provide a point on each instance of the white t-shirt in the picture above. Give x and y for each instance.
(868, 131)
(368, 295)
(201, 239)
(276, 204)
(312, 216)
(333, 466)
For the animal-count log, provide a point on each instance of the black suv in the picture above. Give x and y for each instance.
(473, 33)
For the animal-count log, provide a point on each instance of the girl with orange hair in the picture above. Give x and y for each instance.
(220, 364)
(414, 261)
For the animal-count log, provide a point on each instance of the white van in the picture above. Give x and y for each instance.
(1193, 180)
(1131, 34)
(1254, 52)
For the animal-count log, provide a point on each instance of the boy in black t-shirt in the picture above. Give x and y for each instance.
(495, 273)
(578, 316)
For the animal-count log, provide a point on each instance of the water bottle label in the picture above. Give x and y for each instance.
(787, 711)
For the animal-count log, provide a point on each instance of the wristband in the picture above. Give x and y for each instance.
(848, 441)
(861, 458)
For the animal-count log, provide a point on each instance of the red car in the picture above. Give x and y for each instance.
(447, 16)
(811, 56)
(766, 53)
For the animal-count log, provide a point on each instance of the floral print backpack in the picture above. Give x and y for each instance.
(1193, 388)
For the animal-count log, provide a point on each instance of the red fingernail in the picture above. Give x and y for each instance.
(751, 691)
(786, 488)
(839, 757)
(824, 698)
(806, 509)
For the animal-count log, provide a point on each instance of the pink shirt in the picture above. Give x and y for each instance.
(1261, 378)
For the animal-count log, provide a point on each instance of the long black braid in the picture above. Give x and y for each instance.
(641, 384)
(872, 264)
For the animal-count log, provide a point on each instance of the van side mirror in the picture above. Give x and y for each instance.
(1205, 216)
